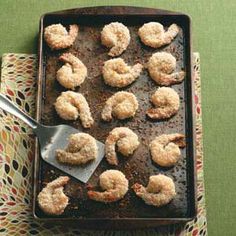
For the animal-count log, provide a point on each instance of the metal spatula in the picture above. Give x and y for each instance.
(52, 138)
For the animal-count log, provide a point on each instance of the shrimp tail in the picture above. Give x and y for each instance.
(169, 79)
(110, 149)
(137, 69)
(65, 57)
(102, 196)
(70, 59)
(111, 155)
(61, 181)
(72, 34)
(171, 33)
(73, 31)
(159, 113)
(116, 50)
(138, 188)
(178, 139)
(177, 77)
(107, 113)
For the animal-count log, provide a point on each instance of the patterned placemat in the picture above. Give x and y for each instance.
(18, 80)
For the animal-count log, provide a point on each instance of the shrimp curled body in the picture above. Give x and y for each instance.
(161, 66)
(159, 191)
(153, 34)
(117, 73)
(52, 199)
(125, 140)
(73, 73)
(57, 36)
(70, 105)
(165, 149)
(114, 184)
(81, 149)
(167, 103)
(121, 105)
(115, 36)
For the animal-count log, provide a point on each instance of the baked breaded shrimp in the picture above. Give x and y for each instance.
(52, 199)
(159, 191)
(114, 184)
(165, 149)
(115, 36)
(57, 36)
(166, 101)
(153, 34)
(117, 73)
(71, 105)
(81, 149)
(125, 140)
(73, 73)
(121, 105)
(161, 66)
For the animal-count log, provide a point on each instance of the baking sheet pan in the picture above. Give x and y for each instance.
(129, 211)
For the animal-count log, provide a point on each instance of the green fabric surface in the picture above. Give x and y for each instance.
(214, 37)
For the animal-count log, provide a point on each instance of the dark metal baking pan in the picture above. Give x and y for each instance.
(130, 212)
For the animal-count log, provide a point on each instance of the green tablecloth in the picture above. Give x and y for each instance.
(214, 37)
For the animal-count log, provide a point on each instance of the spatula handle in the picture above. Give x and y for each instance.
(10, 107)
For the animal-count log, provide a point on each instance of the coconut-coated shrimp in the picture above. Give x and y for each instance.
(165, 149)
(71, 105)
(73, 73)
(125, 140)
(114, 184)
(115, 36)
(52, 199)
(121, 105)
(166, 101)
(57, 36)
(117, 73)
(153, 34)
(159, 191)
(81, 149)
(161, 66)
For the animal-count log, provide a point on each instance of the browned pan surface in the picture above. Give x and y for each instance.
(138, 167)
